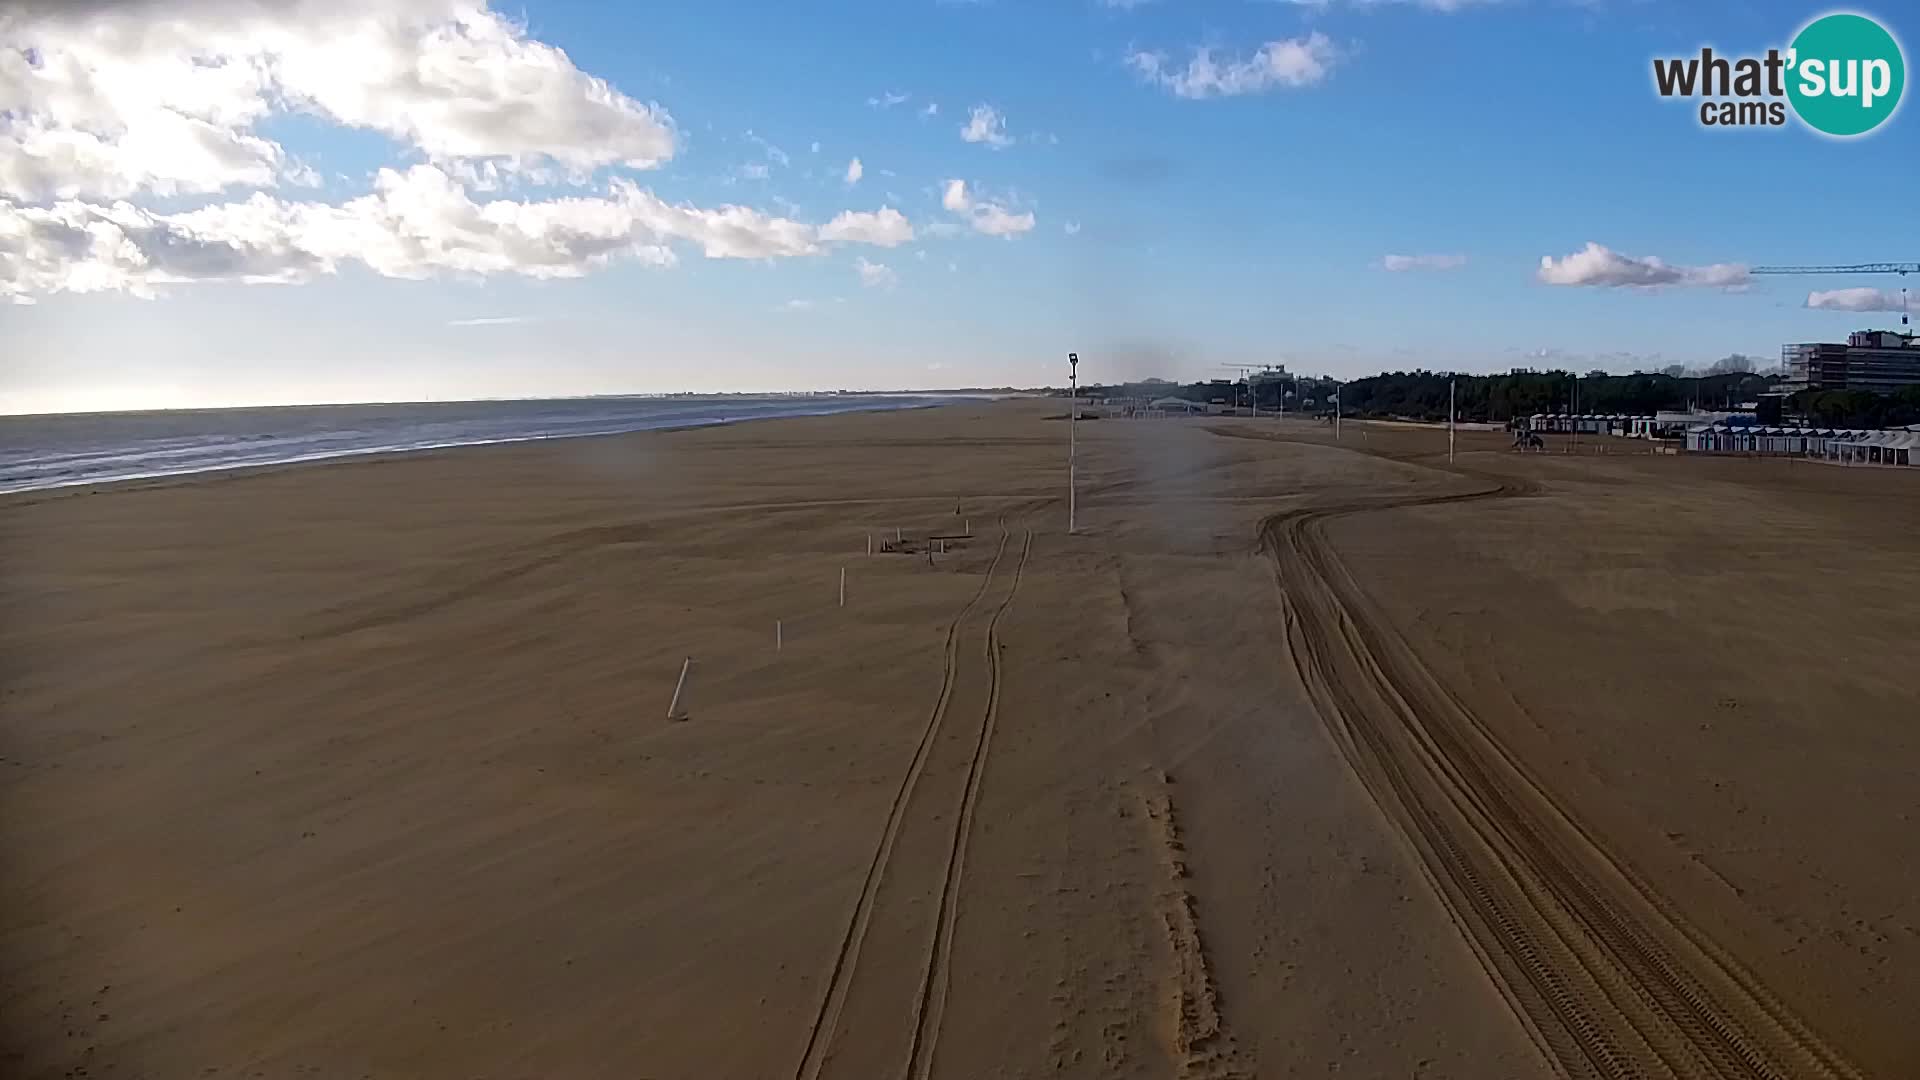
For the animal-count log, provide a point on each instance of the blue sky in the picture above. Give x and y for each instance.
(1168, 234)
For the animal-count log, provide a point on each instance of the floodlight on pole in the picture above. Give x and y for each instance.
(1573, 444)
(1073, 418)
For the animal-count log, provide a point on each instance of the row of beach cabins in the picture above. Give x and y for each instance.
(1734, 433)
(1848, 446)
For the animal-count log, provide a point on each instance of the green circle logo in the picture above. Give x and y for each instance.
(1845, 74)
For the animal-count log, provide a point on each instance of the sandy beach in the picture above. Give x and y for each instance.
(1296, 759)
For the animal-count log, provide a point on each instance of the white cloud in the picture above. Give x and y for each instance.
(774, 153)
(492, 320)
(815, 148)
(932, 110)
(105, 101)
(984, 216)
(855, 171)
(875, 275)
(1401, 263)
(300, 174)
(415, 224)
(998, 221)
(1290, 62)
(165, 96)
(986, 125)
(1596, 265)
(489, 176)
(888, 100)
(796, 305)
(1861, 299)
(1071, 228)
(885, 227)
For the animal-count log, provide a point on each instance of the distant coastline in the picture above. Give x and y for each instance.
(45, 451)
(961, 393)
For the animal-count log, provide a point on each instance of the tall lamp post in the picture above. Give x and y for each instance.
(1453, 412)
(1073, 418)
(1573, 444)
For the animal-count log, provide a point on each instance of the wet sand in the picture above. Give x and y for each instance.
(365, 768)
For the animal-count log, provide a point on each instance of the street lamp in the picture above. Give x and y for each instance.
(1453, 413)
(1073, 417)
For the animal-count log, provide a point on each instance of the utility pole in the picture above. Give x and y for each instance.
(1573, 445)
(1073, 418)
(1453, 413)
(1336, 412)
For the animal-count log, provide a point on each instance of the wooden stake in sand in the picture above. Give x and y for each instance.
(673, 709)
(843, 586)
(896, 534)
(778, 636)
(869, 543)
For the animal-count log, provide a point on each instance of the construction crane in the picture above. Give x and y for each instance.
(1855, 268)
(1247, 372)
(1903, 269)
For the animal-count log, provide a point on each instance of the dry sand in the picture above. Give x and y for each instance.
(363, 769)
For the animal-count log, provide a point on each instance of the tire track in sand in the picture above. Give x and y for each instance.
(846, 960)
(1608, 978)
(938, 977)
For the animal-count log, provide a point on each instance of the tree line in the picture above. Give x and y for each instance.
(1519, 394)
(1858, 408)
(1422, 395)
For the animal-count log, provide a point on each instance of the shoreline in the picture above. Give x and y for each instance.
(160, 478)
(688, 396)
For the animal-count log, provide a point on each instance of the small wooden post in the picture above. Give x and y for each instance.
(869, 543)
(843, 586)
(778, 636)
(896, 534)
(673, 708)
